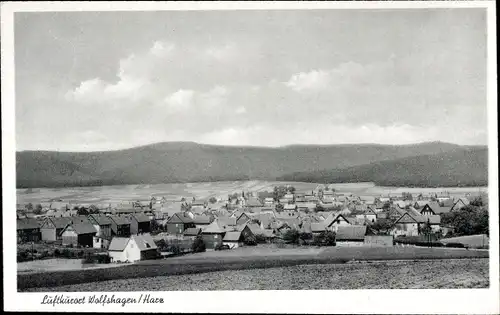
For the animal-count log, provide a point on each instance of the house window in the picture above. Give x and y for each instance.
(131, 245)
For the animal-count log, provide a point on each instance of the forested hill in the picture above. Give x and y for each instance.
(460, 167)
(190, 162)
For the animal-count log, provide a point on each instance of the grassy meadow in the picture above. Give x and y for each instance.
(202, 190)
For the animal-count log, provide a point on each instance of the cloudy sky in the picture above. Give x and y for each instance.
(97, 81)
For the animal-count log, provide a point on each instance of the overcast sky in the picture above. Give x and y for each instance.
(98, 81)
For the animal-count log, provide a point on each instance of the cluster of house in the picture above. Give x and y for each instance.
(124, 229)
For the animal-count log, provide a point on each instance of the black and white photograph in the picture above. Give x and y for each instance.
(250, 149)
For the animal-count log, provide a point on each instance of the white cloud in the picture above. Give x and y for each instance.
(314, 80)
(180, 100)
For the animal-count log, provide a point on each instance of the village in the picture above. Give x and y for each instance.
(158, 228)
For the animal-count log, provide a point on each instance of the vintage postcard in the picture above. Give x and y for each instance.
(250, 157)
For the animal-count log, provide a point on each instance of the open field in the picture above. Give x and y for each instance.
(115, 194)
(472, 241)
(421, 274)
(58, 264)
(240, 259)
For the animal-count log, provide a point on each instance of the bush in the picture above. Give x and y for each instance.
(221, 247)
(66, 253)
(175, 249)
(198, 245)
(22, 256)
(291, 236)
(260, 239)
(250, 241)
(455, 245)
(326, 238)
(305, 236)
(330, 239)
(57, 253)
(80, 254)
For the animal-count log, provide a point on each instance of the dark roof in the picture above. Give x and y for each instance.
(82, 228)
(232, 236)
(202, 219)
(351, 233)
(60, 223)
(192, 231)
(436, 207)
(180, 217)
(27, 224)
(119, 220)
(101, 219)
(140, 217)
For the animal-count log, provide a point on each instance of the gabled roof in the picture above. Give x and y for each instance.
(233, 236)
(27, 224)
(427, 208)
(119, 220)
(118, 243)
(100, 219)
(351, 233)
(202, 219)
(226, 221)
(60, 223)
(213, 228)
(81, 228)
(180, 217)
(406, 218)
(144, 241)
(140, 217)
(437, 208)
(192, 232)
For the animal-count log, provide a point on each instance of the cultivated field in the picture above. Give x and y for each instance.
(116, 194)
(421, 274)
(241, 259)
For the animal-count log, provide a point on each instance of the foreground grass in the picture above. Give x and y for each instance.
(419, 274)
(247, 258)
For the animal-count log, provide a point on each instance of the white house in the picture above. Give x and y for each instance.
(133, 248)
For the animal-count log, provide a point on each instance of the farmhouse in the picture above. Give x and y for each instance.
(178, 223)
(427, 210)
(139, 223)
(192, 232)
(459, 204)
(28, 230)
(233, 239)
(439, 208)
(243, 218)
(120, 226)
(51, 228)
(212, 235)
(406, 225)
(334, 221)
(349, 235)
(102, 224)
(133, 248)
(200, 221)
(79, 234)
(253, 203)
